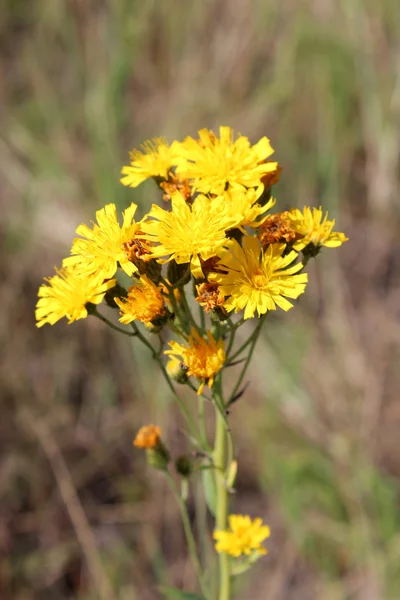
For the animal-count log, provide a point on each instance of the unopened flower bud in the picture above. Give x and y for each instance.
(178, 273)
(177, 370)
(183, 466)
(149, 438)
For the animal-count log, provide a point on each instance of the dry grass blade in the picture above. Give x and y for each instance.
(82, 528)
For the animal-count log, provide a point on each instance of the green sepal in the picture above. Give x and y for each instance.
(241, 565)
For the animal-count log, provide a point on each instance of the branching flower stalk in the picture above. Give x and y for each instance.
(202, 264)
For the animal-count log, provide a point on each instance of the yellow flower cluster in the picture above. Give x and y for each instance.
(217, 229)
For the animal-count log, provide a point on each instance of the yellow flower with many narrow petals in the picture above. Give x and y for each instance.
(204, 358)
(66, 294)
(244, 536)
(189, 232)
(155, 160)
(106, 245)
(148, 437)
(258, 281)
(244, 202)
(313, 229)
(144, 303)
(214, 163)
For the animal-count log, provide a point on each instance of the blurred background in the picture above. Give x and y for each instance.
(84, 81)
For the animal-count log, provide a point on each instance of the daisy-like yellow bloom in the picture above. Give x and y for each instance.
(189, 233)
(102, 248)
(244, 536)
(258, 281)
(204, 358)
(154, 160)
(144, 302)
(66, 295)
(244, 202)
(213, 163)
(314, 229)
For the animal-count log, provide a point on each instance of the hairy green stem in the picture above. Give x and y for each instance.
(99, 316)
(188, 533)
(221, 516)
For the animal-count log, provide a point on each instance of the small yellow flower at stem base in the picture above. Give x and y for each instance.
(312, 228)
(244, 536)
(204, 358)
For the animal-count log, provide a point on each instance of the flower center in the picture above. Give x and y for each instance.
(259, 279)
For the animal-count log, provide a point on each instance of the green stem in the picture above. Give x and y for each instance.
(188, 418)
(249, 339)
(188, 532)
(187, 312)
(96, 314)
(253, 343)
(221, 516)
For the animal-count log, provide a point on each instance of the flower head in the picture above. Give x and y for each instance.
(144, 303)
(240, 201)
(210, 296)
(155, 160)
(276, 229)
(204, 358)
(313, 230)
(102, 248)
(213, 163)
(259, 281)
(244, 536)
(66, 294)
(175, 184)
(188, 233)
(148, 437)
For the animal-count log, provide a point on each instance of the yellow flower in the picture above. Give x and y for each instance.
(106, 245)
(144, 302)
(148, 437)
(66, 295)
(204, 358)
(243, 537)
(313, 230)
(257, 281)
(244, 202)
(189, 232)
(213, 163)
(155, 160)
